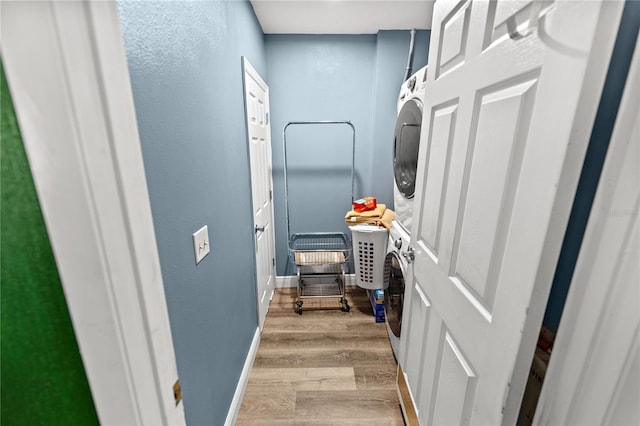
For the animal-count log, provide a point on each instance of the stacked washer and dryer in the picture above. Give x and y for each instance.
(405, 164)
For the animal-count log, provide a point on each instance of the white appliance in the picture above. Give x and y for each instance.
(395, 270)
(406, 140)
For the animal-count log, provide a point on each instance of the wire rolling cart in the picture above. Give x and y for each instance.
(321, 258)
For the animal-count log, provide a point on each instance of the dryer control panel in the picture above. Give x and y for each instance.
(414, 87)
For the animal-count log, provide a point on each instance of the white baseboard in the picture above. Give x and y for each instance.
(286, 281)
(291, 281)
(232, 415)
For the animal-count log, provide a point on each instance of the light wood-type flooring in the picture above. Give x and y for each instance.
(324, 367)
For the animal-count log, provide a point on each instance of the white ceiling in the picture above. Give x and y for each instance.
(341, 16)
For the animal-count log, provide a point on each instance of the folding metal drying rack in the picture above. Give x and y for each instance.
(321, 258)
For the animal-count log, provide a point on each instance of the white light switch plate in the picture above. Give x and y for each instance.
(201, 245)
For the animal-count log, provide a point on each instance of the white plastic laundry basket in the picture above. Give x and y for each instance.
(369, 250)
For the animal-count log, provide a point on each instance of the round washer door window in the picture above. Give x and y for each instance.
(393, 293)
(406, 144)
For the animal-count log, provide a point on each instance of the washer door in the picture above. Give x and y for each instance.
(394, 292)
(406, 144)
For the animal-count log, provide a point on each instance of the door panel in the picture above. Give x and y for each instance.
(455, 31)
(486, 204)
(512, 17)
(417, 328)
(439, 159)
(455, 385)
(498, 134)
(259, 133)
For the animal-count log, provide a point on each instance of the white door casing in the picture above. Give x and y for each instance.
(594, 372)
(67, 72)
(512, 91)
(259, 135)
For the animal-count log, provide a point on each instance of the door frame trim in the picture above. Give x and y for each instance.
(594, 79)
(574, 355)
(67, 70)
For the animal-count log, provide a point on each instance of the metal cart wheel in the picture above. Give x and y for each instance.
(345, 305)
(299, 307)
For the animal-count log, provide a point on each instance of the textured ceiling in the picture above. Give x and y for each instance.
(341, 16)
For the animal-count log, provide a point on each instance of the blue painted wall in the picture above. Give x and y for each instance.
(333, 77)
(185, 66)
(318, 78)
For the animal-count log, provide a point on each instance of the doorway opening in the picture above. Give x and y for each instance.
(589, 178)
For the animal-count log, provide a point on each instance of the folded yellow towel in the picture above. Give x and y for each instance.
(380, 216)
(386, 219)
(377, 212)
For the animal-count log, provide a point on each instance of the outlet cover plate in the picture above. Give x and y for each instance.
(201, 245)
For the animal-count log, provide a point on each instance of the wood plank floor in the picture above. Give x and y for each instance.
(324, 367)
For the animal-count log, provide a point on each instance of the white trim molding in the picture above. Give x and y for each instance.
(234, 409)
(594, 369)
(286, 281)
(67, 71)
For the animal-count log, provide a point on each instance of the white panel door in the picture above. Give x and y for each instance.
(512, 91)
(259, 134)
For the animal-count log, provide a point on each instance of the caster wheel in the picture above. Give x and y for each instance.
(299, 307)
(345, 306)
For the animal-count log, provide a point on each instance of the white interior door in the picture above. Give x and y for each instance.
(512, 90)
(259, 133)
